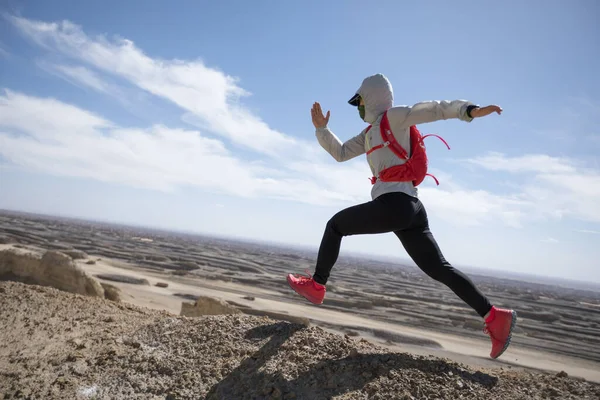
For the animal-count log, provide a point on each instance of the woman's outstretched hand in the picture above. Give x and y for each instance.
(318, 119)
(482, 112)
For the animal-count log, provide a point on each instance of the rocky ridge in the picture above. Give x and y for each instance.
(64, 345)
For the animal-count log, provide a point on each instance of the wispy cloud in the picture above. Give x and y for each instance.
(4, 53)
(136, 101)
(53, 137)
(587, 231)
(475, 207)
(209, 95)
(211, 101)
(540, 163)
(557, 186)
(80, 76)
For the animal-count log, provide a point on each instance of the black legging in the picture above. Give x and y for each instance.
(406, 217)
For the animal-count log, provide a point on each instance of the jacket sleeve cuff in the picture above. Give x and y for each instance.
(470, 108)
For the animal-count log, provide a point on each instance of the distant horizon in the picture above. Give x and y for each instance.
(473, 270)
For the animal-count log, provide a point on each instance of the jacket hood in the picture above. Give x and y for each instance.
(376, 90)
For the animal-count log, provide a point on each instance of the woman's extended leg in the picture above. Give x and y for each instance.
(386, 213)
(419, 243)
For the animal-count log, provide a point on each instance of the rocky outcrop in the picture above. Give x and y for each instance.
(54, 269)
(76, 254)
(111, 292)
(207, 306)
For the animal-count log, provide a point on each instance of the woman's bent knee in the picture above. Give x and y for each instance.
(332, 226)
(442, 273)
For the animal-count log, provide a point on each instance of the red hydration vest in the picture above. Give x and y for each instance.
(415, 167)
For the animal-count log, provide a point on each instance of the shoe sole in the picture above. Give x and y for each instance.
(513, 323)
(301, 295)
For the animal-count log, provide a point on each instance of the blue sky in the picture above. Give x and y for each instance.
(195, 116)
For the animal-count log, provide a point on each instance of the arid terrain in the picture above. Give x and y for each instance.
(406, 336)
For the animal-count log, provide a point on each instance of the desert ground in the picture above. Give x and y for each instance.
(405, 323)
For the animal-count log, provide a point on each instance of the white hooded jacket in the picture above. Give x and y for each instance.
(377, 93)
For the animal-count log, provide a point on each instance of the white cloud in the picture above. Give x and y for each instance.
(462, 206)
(211, 101)
(53, 137)
(47, 119)
(210, 96)
(557, 186)
(541, 163)
(588, 231)
(79, 75)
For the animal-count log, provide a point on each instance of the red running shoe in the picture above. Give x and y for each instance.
(499, 326)
(307, 287)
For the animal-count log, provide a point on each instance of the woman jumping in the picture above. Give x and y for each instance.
(397, 160)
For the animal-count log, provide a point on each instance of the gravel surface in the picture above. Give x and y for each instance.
(55, 345)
